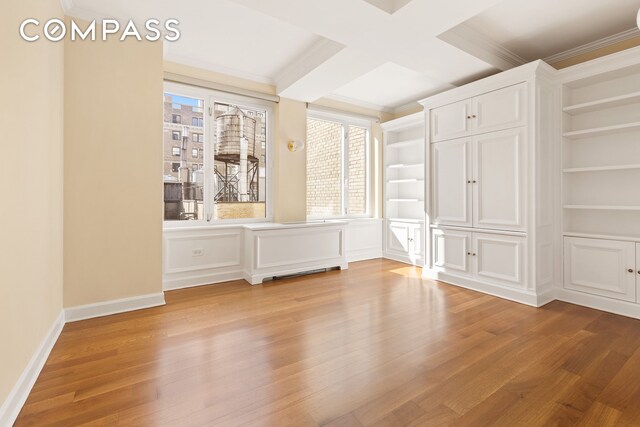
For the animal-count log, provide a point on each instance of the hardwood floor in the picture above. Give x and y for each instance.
(373, 345)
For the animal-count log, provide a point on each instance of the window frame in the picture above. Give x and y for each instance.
(210, 96)
(346, 121)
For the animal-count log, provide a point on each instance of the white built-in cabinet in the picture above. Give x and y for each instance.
(494, 110)
(601, 183)
(404, 189)
(480, 181)
(491, 194)
(607, 268)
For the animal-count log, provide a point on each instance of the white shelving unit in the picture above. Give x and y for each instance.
(601, 184)
(404, 182)
(601, 154)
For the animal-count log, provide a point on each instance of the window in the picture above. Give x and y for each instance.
(175, 135)
(175, 167)
(226, 178)
(337, 166)
(175, 118)
(176, 151)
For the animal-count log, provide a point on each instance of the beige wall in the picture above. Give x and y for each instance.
(113, 170)
(31, 118)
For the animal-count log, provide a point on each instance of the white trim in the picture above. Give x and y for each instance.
(590, 47)
(609, 305)
(178, 58)
(505, 292)
(218, 87)
(201, 280)
(358, 103)
(107, 308)
(20, 391)
(479, 45)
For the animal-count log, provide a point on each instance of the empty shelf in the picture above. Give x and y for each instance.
(603, 207)
(587, 133)
(602, 168)
(601, 104)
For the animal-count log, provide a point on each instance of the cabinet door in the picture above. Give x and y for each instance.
(499, 259)
(398, 238)
(600, 267)
(450, 121)
(451, 251)
(501, 109)
(451, 188)
(499, 177)
(415, 241)
(638, 271)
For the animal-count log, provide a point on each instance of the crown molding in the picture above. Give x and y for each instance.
(595, 45)
(319, 52)
(359, 103)
(477, 44)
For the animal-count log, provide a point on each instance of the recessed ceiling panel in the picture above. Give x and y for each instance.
(390, 85)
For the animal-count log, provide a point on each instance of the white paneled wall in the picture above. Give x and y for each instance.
(196, 256)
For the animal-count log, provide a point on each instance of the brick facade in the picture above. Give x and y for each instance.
(324, 169)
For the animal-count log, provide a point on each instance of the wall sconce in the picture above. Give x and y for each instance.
(294, 146)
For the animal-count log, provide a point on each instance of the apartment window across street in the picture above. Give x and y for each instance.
(175, 136)
(230, 138)
(175, 151)
(175, 118)
(337, 166)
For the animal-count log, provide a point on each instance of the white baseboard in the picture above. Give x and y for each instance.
(106, 308)
(402, 258)
(200, 280)
(622, 308)
(18, 395)
(356, 256)
(517, 295)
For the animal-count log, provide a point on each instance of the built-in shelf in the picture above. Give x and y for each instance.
(602, 236)
(405, 200)
(614, 101)
(606, 130)
(405, 165)
(603, 207)
(407, 143)
(404, 181)
(410, 220)
(602, 168)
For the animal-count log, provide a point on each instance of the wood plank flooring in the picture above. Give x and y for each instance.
(371, 346)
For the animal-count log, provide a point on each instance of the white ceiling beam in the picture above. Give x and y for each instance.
(338, 70)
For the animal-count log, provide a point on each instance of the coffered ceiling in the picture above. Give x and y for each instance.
(383, 54)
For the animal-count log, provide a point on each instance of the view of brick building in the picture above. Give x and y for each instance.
(325, 169)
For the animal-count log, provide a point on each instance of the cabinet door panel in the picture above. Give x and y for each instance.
(451, 251)
(415, 238)
(600, 267)
(452, 167)
(638, 272)
(500, 175)
(501, 109)
(398, 238)
(499, 259)
(450, 121)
